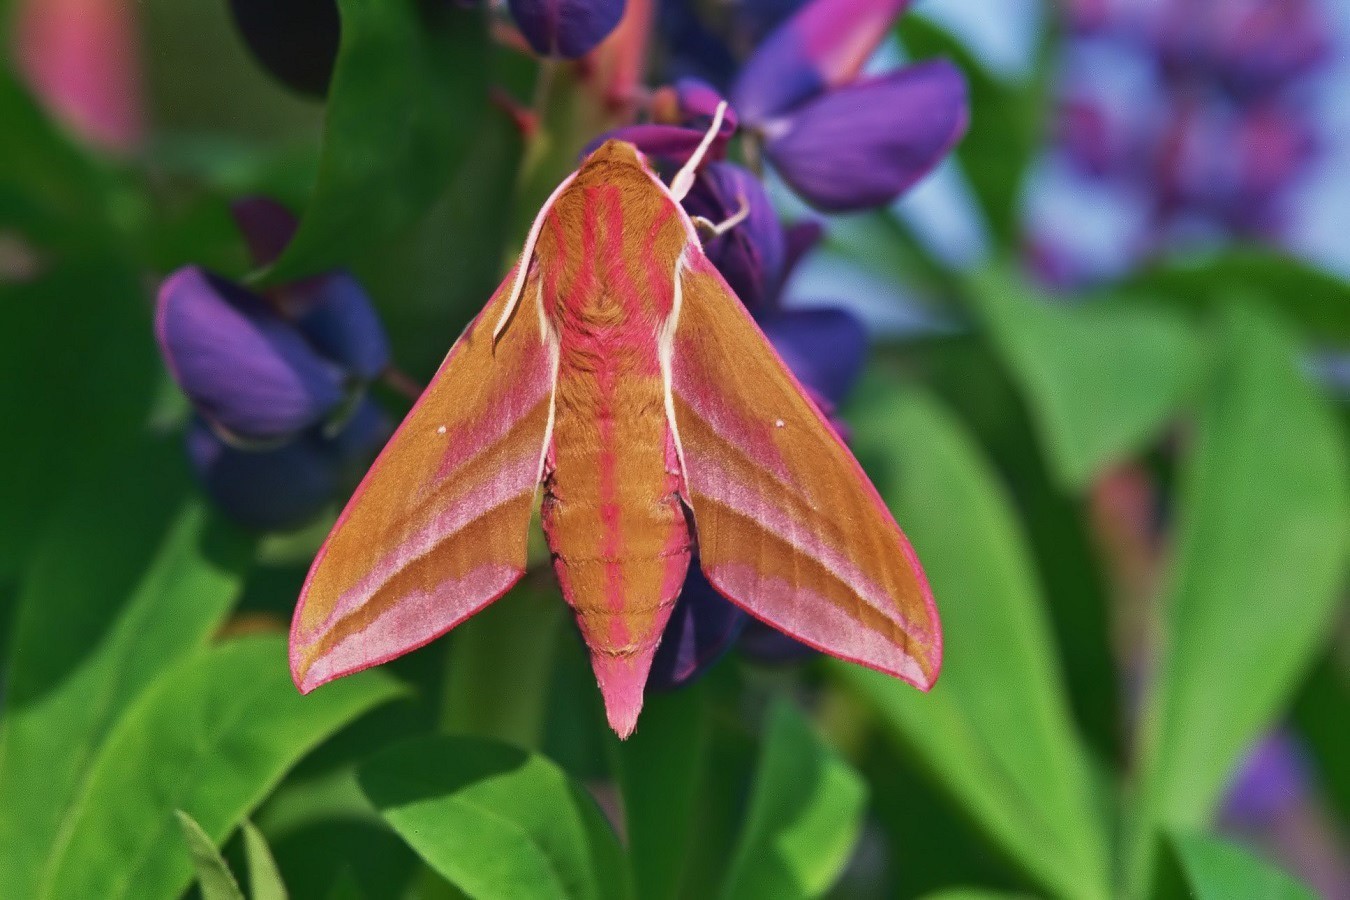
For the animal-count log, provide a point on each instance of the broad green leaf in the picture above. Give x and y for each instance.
(68, 419)
(130, 578)
(523, 626)
(1315, 300)
(1218, 870)
(264, 881)
(996, 729)
(1101, 381)
(213, 875)
(212, 737)
(497, 821)
(660, 770)
(407, 93)
(806, 813)
(1258, 566)
(1006, 122)
(974, 894)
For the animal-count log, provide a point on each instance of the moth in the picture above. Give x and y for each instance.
(615, 372)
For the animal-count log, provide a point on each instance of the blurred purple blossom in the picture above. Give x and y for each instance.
(566, 28)
(276, 379)
(1200, 110)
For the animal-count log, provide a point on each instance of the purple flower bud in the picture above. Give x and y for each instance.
(296, 41)
(266, 225)
(696, 104)
(701, 628)
(1273, 778)
(1266, 44)
(670, 143)
(864, 144)
(566, 28)
(751, 255)
(243, 367)
(335, 314)
(286, 486)
(825, 348)
(823, 45)
(265, 490)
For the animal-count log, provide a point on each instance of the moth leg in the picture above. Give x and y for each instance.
(716, 229)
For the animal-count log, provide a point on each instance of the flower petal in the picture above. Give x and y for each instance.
(824, 45)
(243, 366)
(799, 239)
(566, 28)
(672, 143)
(863, 145)
(336, 315)
(701, 628)
(751, 255)
(268, 490)
(825, 348)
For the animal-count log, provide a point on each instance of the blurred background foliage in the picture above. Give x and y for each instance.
(1105, 397)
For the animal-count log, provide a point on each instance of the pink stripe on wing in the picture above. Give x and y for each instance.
(509, 483)
(814, 620)
(417, 619)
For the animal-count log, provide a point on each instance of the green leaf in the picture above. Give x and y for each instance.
(1313, 299)
(660, 770)
(1101, 381)
(60, 412)
(1218, 870)
(1259, 560)
(213, 875)
(497, 821)
(523, 626)
(1006, 123)
(264, 881)
(805, 816)
(996, 729)
(407, 93)
(130, 578)
(974, 894)
(211, 737)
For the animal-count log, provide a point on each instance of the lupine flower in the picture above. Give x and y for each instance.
(840, 141)
(566, 28)
(276, 381)
(1224, 136)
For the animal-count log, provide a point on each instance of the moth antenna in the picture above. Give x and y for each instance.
(684, 179)
(527, 256)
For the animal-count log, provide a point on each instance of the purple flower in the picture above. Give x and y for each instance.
(247, 370)
(841, 142)
(274, 379)
(1250, 47)
(702, 627)
(1273, 778)
(285, 486)
(566, 28)
(751, 256)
